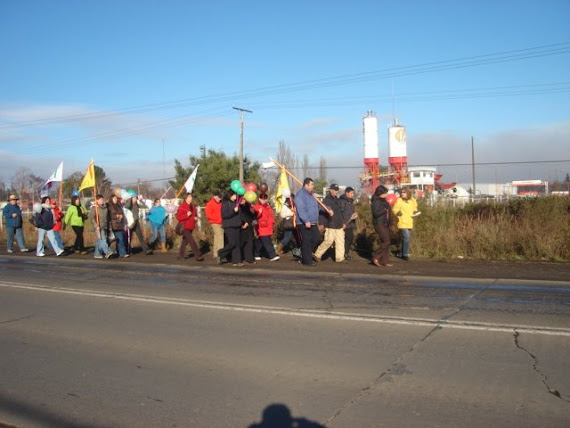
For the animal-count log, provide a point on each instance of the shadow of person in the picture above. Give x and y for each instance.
(279, 416)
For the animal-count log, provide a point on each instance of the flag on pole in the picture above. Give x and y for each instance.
(56, 176)
(190, 182)
(89, 178)
(283, 184)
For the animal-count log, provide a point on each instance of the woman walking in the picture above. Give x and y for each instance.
(381, 221)
(231, 223)
(188, 215)
(117, 219)
(75, 216)
(405, 208)
(156, 217)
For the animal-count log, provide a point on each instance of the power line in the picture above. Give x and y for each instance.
(429, 67)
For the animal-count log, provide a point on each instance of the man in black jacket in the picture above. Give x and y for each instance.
(349, 215)
(334, 227)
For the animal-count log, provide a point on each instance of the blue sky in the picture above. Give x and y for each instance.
(112, 80)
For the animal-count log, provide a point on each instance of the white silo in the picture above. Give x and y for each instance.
(371, 160)
(397, 151)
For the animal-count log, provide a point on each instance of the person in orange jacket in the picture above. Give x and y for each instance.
(265, 223)
(213, 213)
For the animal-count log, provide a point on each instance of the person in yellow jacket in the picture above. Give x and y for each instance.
(405, 209)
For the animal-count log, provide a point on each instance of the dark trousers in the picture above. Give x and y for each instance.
(383, 252)
(265, 243)
(309, 240)
(348, 238)
(233, 244)
(187, 238)
(138, 231)
(247, 244)
(79, 244)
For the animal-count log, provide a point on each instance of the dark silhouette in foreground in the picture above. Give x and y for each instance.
(279, 416)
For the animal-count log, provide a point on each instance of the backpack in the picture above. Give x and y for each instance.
(32, 219)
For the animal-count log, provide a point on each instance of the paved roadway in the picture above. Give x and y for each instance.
(115, 344)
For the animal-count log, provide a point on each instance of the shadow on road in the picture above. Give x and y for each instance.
(279, 416)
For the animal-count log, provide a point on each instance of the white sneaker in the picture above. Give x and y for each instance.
(257, 258)
(24, 250)
(10, 251)
(60, 253)
(274, 259)
(98, 256)
(41, 255)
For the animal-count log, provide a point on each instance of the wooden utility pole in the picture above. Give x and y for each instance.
(473, 169)
(242, 112)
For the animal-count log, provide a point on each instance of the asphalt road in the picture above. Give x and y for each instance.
(117, 343)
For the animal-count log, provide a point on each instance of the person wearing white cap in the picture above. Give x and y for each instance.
(13, 215)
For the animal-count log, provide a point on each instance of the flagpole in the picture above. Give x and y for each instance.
(301, 183)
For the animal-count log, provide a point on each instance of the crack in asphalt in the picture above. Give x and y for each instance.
(26, 317)
(397, 365)
(535, 367)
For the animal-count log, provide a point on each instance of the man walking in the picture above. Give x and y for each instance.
(349, 215)
(334, 224)
(13, 215)
(307, 217)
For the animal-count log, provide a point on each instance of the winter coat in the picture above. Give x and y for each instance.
(188, 215)
(265, 219)
(406, 207)
(347, 205)
(336, 221)
(75, 216)
(214, 211)
(247, 214)
(7, 211)
(307, 207)
(230, 218)
(116, 216)
(44, 219)
(157, 215)
(57, 217)
(103, 214)
(380, 211)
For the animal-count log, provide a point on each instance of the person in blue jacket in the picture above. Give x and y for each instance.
(307, 219)
(13, 215)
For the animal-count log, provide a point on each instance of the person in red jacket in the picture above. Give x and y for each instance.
(57, 217)
(213, 213)
(265, 222)
(188, 215)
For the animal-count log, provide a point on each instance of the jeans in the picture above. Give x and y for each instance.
(101, 245)
(287, 235)
(157, 230)
(51, 237)
(10, 232)
(406, 236)
(121, 249)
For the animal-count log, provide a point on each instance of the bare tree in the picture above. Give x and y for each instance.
(323, 170)
(306, 166)
(287, 158)
(26, 184)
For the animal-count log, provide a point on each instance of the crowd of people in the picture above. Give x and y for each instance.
(242, 231)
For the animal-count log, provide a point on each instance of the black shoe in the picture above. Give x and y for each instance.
(148, 252)
(311, 264)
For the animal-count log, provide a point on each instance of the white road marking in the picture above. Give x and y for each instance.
(309, 313)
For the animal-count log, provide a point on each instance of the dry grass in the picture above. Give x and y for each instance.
(523, 229)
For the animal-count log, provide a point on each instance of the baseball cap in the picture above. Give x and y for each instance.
(334, 187)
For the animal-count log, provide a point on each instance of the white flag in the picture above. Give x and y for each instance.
(190, 182)
(266, 165)
(56, 176)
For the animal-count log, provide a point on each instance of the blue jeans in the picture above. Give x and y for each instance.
(287, 235)
(406, 236)
(51, 237)
(101, 245)
(121, 249)
(10, 232)
(157, 229)
(58, 239)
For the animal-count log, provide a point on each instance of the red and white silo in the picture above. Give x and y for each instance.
(371, 159)
(397, 151)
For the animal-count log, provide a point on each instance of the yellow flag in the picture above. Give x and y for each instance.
(89, 179)
(283, 185)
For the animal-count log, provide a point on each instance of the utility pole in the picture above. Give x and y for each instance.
(242, 112)
(473, 169)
